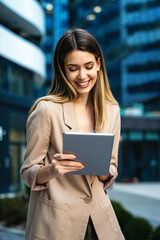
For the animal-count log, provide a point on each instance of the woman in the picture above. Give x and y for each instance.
(71, 206)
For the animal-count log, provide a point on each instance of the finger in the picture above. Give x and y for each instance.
(67, 163)
(61, 170)
(109, 183)
(62, 156)
(72, 164)
(112, 170)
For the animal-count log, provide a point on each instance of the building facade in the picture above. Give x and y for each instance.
(141, 37)
(57, 22)
(48, 41)
(140, 83)
(139, 152)
(22, 74)
(102, 19)
(129, 35)
(61, 19)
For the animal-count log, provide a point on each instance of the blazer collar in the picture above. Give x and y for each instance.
(70, 116)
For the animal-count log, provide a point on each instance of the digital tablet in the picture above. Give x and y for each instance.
(92, 149)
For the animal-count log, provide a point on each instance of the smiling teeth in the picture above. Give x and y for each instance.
(82, 84)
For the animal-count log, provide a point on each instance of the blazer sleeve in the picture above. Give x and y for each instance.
(114, 156)
(38, 139)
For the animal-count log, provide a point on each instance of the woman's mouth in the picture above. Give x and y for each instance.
(83, 84)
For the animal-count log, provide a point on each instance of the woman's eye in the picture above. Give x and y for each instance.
(72, 69)
(89, 67)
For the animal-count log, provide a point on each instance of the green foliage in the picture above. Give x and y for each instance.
(27, 190)
(123, 216)
(156, 234)
(138, 228)
(13, 210)
(134, 228)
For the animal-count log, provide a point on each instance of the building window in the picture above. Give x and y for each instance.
(148, 66)
(148, 87)
(143, 5)
(140, 155)
(16, 150)
(15, 79)
(131, 29)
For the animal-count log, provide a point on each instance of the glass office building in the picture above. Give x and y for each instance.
(29, 31)
(141, 37)
(57, 22)
(47, 45)
(22, 74)
(102, 19)
(129, 35)
(61, 18)
(140, 81)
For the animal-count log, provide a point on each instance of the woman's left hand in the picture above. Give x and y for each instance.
(110, 178)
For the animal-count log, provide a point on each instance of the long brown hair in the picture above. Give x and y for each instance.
(62, 91)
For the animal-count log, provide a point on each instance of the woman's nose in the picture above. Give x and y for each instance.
(82, 74)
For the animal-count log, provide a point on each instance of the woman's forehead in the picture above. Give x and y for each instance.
(78, 56)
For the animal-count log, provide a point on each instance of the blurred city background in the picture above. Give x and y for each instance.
(129, 35)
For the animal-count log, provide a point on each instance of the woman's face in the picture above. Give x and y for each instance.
(81, 70)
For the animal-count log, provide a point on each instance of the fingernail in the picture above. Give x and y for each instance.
(80, 165)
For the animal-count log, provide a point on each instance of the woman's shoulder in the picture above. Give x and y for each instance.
(113, 113)
(112, 106)
(44, 106)
(48, 104)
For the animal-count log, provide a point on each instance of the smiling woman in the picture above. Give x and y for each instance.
(67, 206)
(81, 70)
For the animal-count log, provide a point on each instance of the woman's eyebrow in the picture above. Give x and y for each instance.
(75, 65)
(70, 64)
(89, 62)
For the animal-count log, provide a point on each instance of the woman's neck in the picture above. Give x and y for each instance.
(83, 101)
(84, 112)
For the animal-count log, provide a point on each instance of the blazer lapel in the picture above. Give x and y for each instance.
(70, 117)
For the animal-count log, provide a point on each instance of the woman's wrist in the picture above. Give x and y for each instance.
(45, 174)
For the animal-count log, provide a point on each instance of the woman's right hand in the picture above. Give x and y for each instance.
(61, 164)
(65, 163)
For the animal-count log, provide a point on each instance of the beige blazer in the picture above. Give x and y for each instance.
(60, 209)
